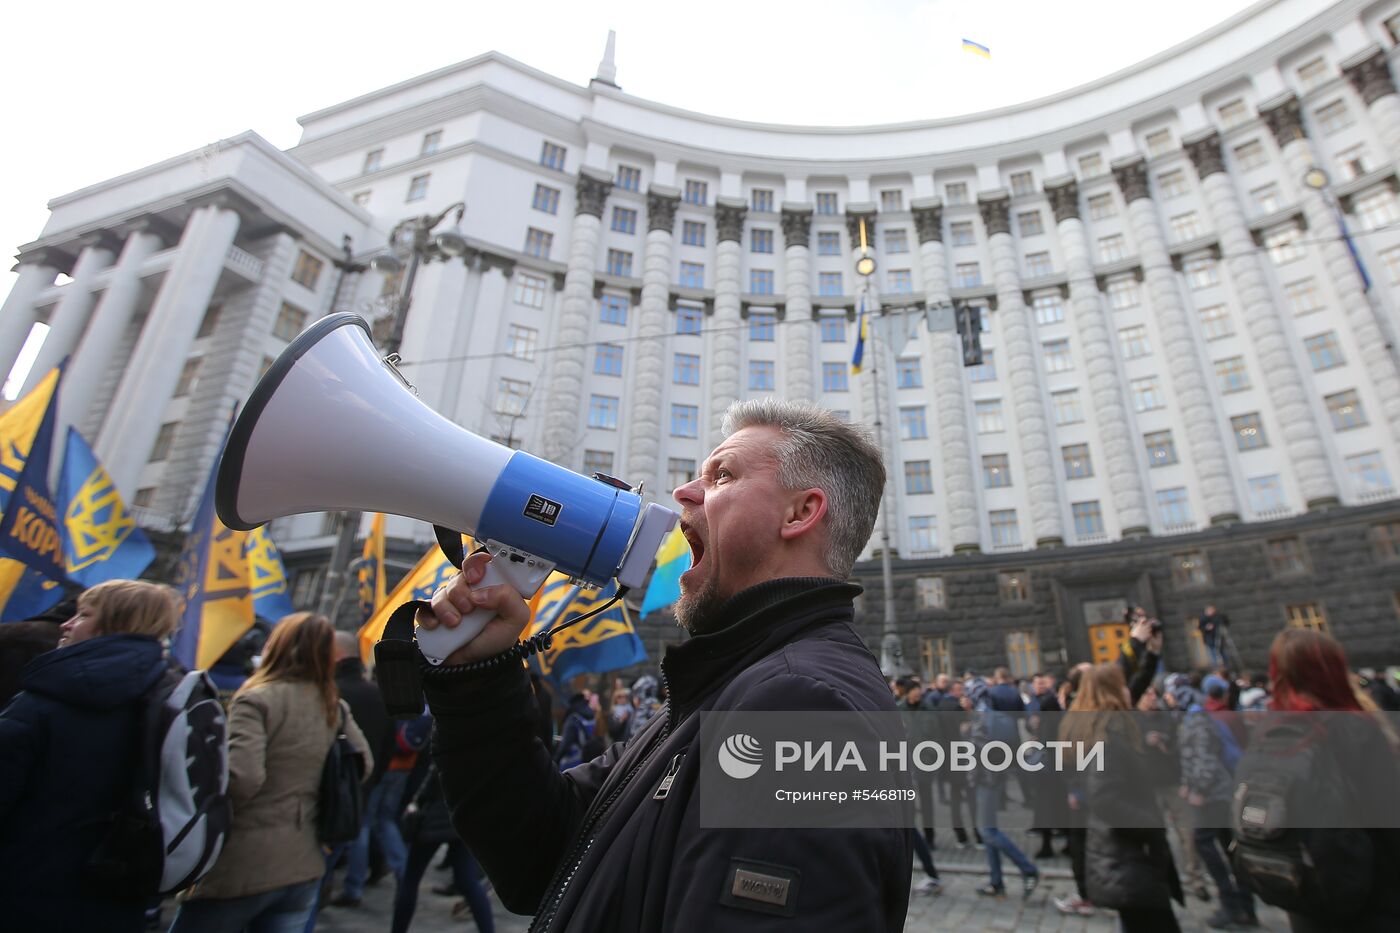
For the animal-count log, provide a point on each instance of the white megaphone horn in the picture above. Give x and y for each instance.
(333, 427)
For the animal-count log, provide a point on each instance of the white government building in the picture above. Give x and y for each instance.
(1175, 332)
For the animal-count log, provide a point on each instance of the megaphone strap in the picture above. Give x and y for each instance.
(450, 543)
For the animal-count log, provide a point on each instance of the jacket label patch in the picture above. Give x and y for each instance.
(760, 886)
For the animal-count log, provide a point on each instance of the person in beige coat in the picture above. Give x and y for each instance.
(281, 725)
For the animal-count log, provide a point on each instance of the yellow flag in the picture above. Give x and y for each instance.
(422, 581)
(17, 429)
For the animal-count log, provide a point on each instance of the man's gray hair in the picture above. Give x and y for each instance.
(819, 450)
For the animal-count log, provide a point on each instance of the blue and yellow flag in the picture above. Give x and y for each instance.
(29, 530)
(267, 577)
(17, 429)
(672, 560)
(976, 48)
(214, 583)
(371, 572)
(858, 357)
(606, 642)
(25, 592)
(100, 538)
(420, 583)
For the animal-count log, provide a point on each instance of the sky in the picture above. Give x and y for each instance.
(97, 89)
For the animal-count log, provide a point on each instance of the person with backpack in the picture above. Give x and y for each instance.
(283, 723)
(68, 753)
(1327, 879)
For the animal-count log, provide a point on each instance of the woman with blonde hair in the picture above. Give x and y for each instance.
(282, 723)
(68, 746)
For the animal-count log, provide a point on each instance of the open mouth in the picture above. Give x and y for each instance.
(697, 545)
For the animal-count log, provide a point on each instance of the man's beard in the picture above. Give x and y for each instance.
(697, 612)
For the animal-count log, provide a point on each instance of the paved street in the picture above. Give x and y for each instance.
(959, 908)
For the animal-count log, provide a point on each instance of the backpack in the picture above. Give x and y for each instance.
(340, 801)
(1320, 873)
(170, 830)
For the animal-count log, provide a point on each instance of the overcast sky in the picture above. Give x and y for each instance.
(98, 89)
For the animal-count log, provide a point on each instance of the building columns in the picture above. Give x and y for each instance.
(724, 348)
(1117, 437)
(36, 273)
(1032, 429)
(70, 315)
(1372, 79)
(949, 387)
(649, 359)
(564, 405)
(1286, 385)
(1212, 465)
(799, 383)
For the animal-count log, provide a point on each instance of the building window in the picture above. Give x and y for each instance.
(1066, 407)
(144, 497)
(538, 243)
(1174, 506)
(967, 275)
(520, 342)
(1171, 184)
(1266, 494)
(1306, 615)
(1385, 541)
(829, 284)
(692, 233)
(1250, 155)
(828, 243)
(373, 160)
(189, 376)
(1161, 448)
(918, 477)
(1333, 118)
(552, 156)
(1158, 142)
(1215, 322)
(985, 371)
(1376, 210)
(607, 359)
(597, 461)
(937, 653)
(417, 188)
(624, 220)
(1112, 248)
(989, 416)
(1189, 568)
(901, 281)
(1368, 474)
(1091, 165)
(1312, 73)
(1133, 340)
(761, 376)
(1077, 462)
(1088, 519)
(1022, 654)
(956, 193)
(511, 397)
(679, 472)
(1049, 309)
(1232, 374)
(1006, 532)
(692, 274)
(696, 192)
(289, 323)
(1022, 183)
(602, 412)
(760, 240)
(685, 421)
(1249, 431)
(962, 234)
(1391, 259)
(929, 593)
(1123, 293)
(1354, 161)
(1201, 272)
(612, 309)
(1057, 356)
(1038, 264)
(1102, 206)
(1302, 296)
(923, 534)
(1029, 223)
(530, 289)
(1345, 409)
(834, 377)
(629, 178)
(833, 329)
(913, 423)
(761, 281)
(996, 471)
(1146, 394)
(892, 200)
(1282, 245)
(1014, 586)
(547, 199)
(1185, 227)
(827, 203)
(685, 369)
(1323, 351)
(619, 262)
(307, 271)
(689, 319)
(1266, 198)
(896, 241)
(761, 200)
(1232, 113)
(761, 326)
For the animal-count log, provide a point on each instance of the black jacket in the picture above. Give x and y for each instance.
(67, 750)
(592, 849)
(367, 706)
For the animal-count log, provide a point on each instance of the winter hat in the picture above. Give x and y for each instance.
(1216, 686)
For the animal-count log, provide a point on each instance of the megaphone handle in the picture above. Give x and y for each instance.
(525, 574)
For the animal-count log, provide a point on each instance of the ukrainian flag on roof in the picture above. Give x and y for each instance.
(976, 48)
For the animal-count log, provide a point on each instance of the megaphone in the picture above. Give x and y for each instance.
(332, 427)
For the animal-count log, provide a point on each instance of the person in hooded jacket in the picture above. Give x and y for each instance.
(580, 722)
(67, 752)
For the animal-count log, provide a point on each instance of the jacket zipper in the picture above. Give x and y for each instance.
(562, 879)
(665, 787)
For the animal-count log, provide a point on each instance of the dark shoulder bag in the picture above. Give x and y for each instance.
(341, 804)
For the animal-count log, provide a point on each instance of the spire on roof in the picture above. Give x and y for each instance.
(607, 68)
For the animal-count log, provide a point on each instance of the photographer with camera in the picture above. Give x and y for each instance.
(1142, 655)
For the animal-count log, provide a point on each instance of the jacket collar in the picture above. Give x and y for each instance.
(766, 616)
